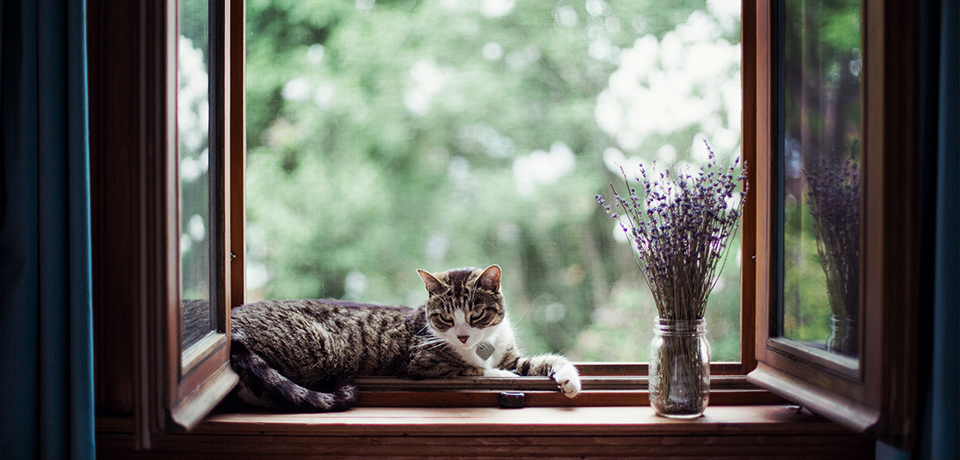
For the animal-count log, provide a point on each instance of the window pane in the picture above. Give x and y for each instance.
(384, 137)
(193, 131)
(821, 173)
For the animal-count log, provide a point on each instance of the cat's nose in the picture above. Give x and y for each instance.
(463, 338)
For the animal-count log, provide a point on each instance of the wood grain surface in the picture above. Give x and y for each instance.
(583, 432)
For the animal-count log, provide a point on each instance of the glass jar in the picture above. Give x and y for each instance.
(843, 336)
(679, 369)
(837, 332)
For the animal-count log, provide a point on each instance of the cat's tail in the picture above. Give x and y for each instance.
(261, 385)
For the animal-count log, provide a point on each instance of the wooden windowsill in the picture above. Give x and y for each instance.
(530, 421)
(734, 431)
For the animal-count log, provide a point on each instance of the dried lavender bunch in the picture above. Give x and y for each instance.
(681, 227)
(833, 192)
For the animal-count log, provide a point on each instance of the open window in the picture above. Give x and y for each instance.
(390, 136)
(169, 231)
(149, 197)
(138, 228)
(187, 174)
(832, 75)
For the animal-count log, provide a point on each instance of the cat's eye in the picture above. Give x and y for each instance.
(476, 315)
(444, 319)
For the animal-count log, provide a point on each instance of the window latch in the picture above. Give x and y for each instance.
(512, 399)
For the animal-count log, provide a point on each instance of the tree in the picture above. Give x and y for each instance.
(389, 136)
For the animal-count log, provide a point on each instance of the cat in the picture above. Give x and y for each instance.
(299, 355)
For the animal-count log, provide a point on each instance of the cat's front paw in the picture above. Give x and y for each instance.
(568, 379)
(498, 373)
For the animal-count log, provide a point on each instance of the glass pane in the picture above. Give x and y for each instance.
(193, 131)
(821, 173)
(384, 137)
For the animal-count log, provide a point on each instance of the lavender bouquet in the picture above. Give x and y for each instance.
(680, 224)
(833, 191)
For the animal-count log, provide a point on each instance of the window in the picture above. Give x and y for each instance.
(176, 365)
(137, 283)
(867, 383)
(174, 380)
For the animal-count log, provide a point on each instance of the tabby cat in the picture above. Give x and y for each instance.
(299, 355)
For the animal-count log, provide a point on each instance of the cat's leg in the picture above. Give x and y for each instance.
(560, 369)
(437, 363)
(262, 385)
(493, 372)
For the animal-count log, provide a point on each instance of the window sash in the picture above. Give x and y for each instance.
(879, 394)
(175, 388)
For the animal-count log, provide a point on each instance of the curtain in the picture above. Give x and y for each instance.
(938, 364)
(46, 331)
(940, 426)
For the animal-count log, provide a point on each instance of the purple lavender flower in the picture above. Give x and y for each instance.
(680, 228)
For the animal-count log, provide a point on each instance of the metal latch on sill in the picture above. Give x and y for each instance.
(512, 399)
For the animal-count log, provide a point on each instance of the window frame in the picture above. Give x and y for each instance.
(134, 164)
(139, 209)
(728, 383)
(878, 396)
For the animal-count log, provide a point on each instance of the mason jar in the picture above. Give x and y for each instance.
(679, 368)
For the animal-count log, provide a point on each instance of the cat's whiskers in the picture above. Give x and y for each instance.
(428, 338)
(424, 328)
(431, 342)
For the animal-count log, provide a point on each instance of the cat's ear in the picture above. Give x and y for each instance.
(490, 279)
(433, 285)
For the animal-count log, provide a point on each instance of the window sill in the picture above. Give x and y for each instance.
(605, 390)
(735, 431)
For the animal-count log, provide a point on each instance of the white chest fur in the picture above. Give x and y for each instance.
(499, 337)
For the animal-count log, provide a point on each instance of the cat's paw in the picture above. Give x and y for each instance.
(568, 379)
(498, 373)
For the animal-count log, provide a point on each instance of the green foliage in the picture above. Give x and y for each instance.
(390, 136)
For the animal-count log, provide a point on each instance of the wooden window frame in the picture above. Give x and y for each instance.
(612, 383)
(137, 283)
(136, 295)
(136, 218)
(177, 387)
(877, 395)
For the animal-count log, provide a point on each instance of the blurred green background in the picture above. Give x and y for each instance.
(387, 136)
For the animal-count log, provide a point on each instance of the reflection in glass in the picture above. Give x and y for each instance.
(821, 173)
(193, 122)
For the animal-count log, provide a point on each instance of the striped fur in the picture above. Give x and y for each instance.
(298, 355)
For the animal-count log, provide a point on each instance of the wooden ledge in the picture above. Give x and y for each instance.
(531, 421)
(731, 431)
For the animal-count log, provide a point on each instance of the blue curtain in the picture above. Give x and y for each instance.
(941, 423)
(46, 329)
(938, 362)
